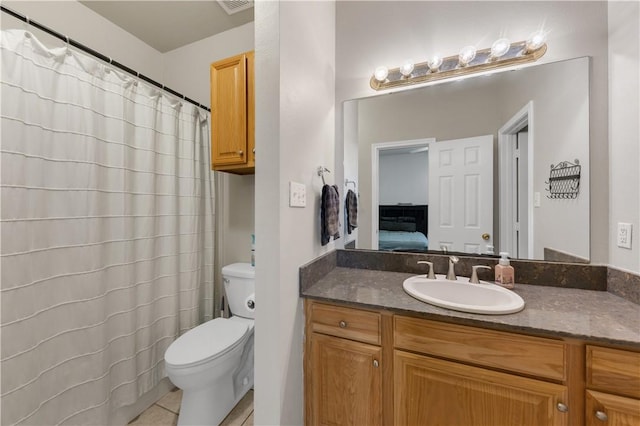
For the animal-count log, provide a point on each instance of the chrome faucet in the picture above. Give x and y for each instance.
(451, 274)
(474, 275)
(430, 275)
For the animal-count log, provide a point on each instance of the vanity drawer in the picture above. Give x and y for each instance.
(534, 356)
(613, 370)
(350, 323)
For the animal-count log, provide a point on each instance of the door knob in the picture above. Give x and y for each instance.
(486, 236)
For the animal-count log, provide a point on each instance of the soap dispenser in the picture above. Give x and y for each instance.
(505, 274)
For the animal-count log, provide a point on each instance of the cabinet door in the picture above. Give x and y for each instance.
(611, 410)
(229, 111)
(346, 382)
(434, 392)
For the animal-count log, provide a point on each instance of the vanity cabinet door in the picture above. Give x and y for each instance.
(430, 391)
(611, 410)
(345, 382)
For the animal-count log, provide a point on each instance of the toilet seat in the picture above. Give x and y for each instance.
(205, 342)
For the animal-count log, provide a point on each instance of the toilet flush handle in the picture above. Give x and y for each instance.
(251, 304)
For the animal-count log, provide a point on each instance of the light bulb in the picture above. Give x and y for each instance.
(500, 47)
(381, 73)
(536, 40)
(434, 63)
(466, 55)
(407, 68)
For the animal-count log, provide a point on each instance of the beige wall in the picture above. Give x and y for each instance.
(295, 128)
(624, 130)
(415, 29)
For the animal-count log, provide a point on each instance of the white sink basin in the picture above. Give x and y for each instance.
(483, 298)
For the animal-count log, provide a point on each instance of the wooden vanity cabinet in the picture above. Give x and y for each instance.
(613, 387)
(445, 374)
(433, 391)
(233, 114)
(343, 366)
(364, 367)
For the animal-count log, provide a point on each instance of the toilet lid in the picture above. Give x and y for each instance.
(206, 341)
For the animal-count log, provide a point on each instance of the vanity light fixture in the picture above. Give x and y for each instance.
(501, 54)
(381, 74)
(466, 55)
(407, 68)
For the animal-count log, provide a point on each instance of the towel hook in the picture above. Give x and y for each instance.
(321, 171)
(347, 182)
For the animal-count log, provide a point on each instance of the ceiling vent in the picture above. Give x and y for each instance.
(235, 6)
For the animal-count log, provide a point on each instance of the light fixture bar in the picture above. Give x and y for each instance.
(451, 66)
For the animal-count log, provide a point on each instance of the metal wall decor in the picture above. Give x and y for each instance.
(564, 180)
(453, 66)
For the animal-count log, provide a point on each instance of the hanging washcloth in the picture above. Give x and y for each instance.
(329, 214)
(351, 205)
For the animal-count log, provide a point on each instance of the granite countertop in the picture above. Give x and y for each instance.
(594, 316)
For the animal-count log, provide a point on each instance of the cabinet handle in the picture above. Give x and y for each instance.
(376, 364)
(562, 408)
(601, 415)
(241, 152)
(342, 324)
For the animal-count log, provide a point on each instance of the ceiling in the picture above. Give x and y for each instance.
(168, 25)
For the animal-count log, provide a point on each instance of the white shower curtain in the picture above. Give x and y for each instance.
(106, 233)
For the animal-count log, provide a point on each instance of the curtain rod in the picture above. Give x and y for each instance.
(98, 55)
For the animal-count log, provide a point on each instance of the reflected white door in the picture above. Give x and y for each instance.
(461, 194)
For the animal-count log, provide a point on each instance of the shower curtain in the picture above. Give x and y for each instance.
(106, 233)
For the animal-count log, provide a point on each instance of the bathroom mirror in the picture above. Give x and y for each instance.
(517, 126)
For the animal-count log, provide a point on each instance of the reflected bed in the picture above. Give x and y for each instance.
(403, 227)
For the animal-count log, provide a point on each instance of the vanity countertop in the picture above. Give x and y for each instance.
(593, 316)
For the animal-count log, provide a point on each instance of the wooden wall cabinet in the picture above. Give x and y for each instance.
(613, 387)
(233, 114)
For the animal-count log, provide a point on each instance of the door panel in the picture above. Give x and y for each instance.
(435, 392)
(461, 190)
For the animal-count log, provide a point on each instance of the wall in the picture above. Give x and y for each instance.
(404, 178)
(295, 128)
(82, 24)
(624, 128)
(186, 70)
(415, 29)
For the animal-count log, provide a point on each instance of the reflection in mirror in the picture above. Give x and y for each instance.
(464, 166)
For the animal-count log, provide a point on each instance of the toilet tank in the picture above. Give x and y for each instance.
(239, 286)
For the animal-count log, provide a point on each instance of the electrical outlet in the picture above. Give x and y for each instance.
(297, 194)
(624, 235)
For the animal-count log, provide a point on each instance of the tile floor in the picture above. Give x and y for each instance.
(165, 412)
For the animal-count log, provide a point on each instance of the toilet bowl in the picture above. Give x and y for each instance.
(213, 362)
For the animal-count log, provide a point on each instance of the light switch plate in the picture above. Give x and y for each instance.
(536, 199)
(624, 235)
(297, 194)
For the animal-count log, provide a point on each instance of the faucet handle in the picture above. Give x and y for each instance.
(474, 275)
(430, 275)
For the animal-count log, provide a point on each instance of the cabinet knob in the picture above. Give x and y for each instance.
(562, 408)
(254, 150)
(241, 152)
(601, 415)
(376, 364)
(342, 324)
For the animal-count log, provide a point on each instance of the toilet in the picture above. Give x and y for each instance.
(213, 362)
